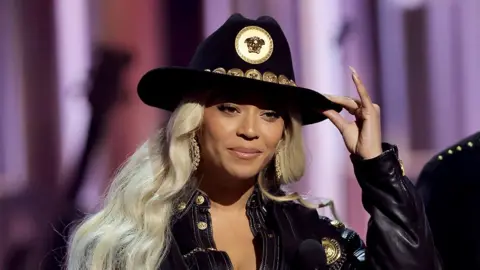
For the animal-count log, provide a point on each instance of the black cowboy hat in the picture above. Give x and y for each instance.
(241, 54)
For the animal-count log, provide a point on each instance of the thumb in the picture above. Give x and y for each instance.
(337, 120)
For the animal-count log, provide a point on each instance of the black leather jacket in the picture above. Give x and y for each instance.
(398, 234)
(450, 183)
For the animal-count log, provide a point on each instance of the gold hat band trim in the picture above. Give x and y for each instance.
(257, 75)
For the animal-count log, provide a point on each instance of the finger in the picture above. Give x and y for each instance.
(337, 120)
(362, 91)
(348, 103)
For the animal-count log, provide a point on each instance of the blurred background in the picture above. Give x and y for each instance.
(69, 113)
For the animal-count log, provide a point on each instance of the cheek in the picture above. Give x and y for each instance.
(272, 134)
(217, 130)
(215, 133)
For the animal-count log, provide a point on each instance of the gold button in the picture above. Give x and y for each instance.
(402, 167)
(450, 152)
(470, 144)
(202, 225)
(337, 224)
(282, 79)
(440, 157)
(200, 199)
(270, 77)
(332, 248)
(459, 148)
(220, 70)
(181, 206)
(235, 72)
(253, 74)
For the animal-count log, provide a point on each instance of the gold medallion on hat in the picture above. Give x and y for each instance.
(332, 248)
(254, 44)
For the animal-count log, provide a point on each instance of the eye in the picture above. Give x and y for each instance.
(228, 108)
(272, 115)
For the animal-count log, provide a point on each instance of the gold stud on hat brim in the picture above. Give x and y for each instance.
(153, 84)
(256, 75)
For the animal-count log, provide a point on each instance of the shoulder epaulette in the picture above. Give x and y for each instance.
(470, 142)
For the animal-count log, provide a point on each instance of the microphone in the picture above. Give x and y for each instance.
(310, 255)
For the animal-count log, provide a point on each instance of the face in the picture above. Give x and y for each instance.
(240, 137)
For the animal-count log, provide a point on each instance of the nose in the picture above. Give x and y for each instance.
(248, 127)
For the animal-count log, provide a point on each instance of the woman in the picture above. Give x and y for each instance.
(205, 193)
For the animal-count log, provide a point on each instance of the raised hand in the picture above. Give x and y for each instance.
(363, 136)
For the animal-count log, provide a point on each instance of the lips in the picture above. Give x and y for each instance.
(246, 150)
(245, 153)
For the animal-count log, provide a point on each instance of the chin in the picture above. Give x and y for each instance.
(243, 173)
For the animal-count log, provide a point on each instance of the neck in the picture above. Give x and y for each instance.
(227, 194)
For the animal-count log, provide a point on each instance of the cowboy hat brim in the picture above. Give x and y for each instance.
(165, 88)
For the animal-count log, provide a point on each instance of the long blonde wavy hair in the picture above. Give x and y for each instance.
(132, 230)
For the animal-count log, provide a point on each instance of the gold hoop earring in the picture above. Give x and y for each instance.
(278, 169)
(194, 153)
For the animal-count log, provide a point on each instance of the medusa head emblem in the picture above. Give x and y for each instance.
(254, 44)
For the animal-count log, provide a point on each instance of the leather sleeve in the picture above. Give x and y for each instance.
(398, 235)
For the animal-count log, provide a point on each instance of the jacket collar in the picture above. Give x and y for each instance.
(199, 199)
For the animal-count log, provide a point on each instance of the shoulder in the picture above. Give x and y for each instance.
(457, 161)
(443, 173)
(461, 150)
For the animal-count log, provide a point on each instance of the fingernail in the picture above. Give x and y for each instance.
(354, 73)
(352, 70)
